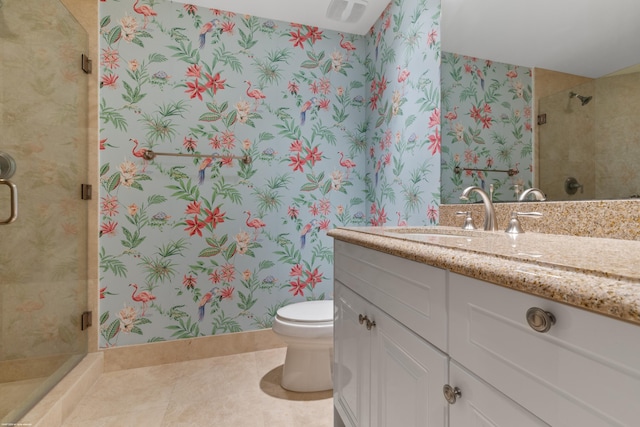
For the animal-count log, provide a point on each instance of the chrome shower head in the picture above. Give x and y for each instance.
(583, 99)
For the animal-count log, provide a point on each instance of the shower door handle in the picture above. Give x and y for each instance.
(14, 201)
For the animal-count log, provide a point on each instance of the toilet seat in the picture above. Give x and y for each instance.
(307, 312)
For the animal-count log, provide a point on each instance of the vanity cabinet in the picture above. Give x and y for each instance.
(405, 330)
(387, 372)
(583, 371)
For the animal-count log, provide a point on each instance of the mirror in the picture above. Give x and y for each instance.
(563, 39)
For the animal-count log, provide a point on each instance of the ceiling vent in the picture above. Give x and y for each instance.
(346, 10)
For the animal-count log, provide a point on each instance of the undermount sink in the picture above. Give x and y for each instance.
(433, 232)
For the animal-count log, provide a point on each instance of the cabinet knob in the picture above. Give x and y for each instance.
(364, 320)
(361, 318)
(540, 320)
(451, 393)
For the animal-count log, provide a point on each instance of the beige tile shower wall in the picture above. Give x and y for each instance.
(563, 150)
(616, 219)
(86, 13)
(617, 135)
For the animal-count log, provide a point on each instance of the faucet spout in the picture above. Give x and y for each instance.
(490, 221)
(537, 193)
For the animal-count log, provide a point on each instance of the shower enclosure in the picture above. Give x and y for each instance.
(43, 152)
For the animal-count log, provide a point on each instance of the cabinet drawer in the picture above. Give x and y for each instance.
(585, 371)
(411, 292)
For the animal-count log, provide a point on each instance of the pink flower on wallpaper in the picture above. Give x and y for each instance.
(195, 226)
(228, 26)
(314, 34)
(434, 119)
(215, 277)
(109, 80)
(297, 39)
(313, 155)
(296, 271)
(108, 228)
(109, 205)
(195, 89)
(189, 281)
(432, 213)
(228, 272)
(293, 88)
(297, 163)
(214, 217)
(110, 58)
(297, 287)
(324, 224)
(216, 83)
(296, 146)
(475, 113)
(435, 142)
(313, 277)
(190, 9)
(293, 212)
(431, 37)
(193, 208)
(323, 104)
(313, 210)
(194, 70)
(486, 122)
(227, 292)
(189, 143)
(215, 142)
(228, 139)
(325, 206)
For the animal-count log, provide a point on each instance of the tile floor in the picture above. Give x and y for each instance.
(231, 391)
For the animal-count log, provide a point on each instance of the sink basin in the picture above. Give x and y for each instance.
(425, 233)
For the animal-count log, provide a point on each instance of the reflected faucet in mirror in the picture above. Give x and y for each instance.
(536, 192)
(490, 221)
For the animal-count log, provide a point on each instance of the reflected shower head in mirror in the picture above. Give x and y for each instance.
(583, 99)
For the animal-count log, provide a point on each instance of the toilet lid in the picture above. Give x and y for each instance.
(308, 311)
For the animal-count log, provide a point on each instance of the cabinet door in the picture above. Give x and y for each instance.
(480, 405)
(407, 376)
(352, 353)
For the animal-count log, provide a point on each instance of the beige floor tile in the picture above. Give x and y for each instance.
(231, 391)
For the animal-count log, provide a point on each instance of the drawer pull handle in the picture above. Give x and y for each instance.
(540, 320)
(451, 393)
(364, 319)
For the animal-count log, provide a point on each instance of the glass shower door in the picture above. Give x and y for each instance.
(43, 252)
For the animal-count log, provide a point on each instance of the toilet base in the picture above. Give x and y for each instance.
(308, 368)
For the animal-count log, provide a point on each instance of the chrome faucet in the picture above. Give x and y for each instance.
(490, 222)
(538, 194)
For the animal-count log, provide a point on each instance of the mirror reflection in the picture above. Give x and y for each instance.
(585, 131)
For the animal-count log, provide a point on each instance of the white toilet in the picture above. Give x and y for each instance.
(307, 329)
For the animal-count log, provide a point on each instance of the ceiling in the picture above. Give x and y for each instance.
(590, 38)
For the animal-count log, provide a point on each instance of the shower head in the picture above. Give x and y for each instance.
(583, 99)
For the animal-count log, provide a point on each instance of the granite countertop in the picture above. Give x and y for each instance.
(597, 274)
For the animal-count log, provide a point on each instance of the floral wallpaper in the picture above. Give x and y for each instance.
(486, 124)
(403, 155)
(196, 246)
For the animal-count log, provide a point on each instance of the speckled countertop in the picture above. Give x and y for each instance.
(597, 274)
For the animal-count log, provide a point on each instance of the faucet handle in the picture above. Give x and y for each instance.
(514, 224)
(468, 220)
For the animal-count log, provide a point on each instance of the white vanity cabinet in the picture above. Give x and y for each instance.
(386, 371)
(584, 371)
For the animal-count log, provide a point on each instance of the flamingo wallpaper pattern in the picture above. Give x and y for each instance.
(341, 129)
(487, 109)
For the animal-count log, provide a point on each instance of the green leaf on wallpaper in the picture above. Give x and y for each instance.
(230, 251)
(324, 132)
(104, 317)
(210, 117)
(110, 262)
(246, 301)
(228, 58)
(157, 57)
(265, 264)
(230, 118)
(356, 84)
(309, 186)
(112, 183)
(247, 41)
(326, 67)
(108, 114)
(156, 199)
(309, 64)
(104, 169)
(186, 54)
(105, 21)
(133, 240)
(326, 187)
(410, 120)
(469, 92)
(185, 191)
(182, 330)
(112, 330)
(265, 136)
(209, 252)
(114, 35)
